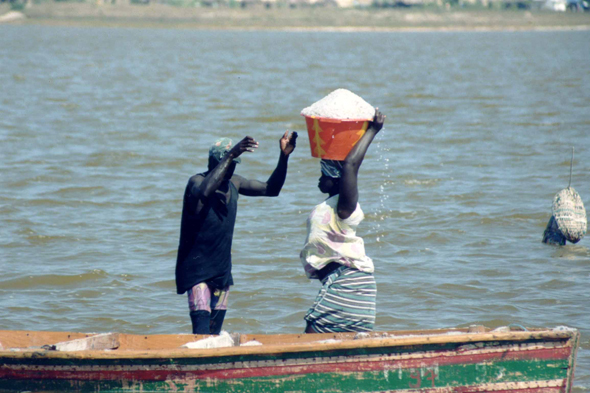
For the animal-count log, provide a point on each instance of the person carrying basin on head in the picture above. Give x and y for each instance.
(334, 254)
(203, 265)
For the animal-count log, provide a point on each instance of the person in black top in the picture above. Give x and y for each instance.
(203, 264)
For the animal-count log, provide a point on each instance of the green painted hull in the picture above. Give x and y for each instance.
(533, 363)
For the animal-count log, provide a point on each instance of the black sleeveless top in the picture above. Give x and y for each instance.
(204, 251)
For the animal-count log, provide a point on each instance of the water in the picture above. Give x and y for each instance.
(101, 128)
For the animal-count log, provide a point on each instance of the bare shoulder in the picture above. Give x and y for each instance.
(238, 180)
(192, 187)
(195, 180)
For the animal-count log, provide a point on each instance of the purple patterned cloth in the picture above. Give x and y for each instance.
(201, 297)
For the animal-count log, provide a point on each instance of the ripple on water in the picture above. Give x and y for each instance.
(112, 159)
(555, 284)
(423, 182)
(58, 202)
(85, 192)
(53, 280)
(460, 290)
(43, 240)
(270, 119)
(165, 284)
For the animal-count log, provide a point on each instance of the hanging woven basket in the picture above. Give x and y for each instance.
(570, 215)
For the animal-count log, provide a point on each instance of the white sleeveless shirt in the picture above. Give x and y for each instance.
(331, 239)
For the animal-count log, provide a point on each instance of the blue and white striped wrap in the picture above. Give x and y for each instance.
(331, 168)
(346, 303)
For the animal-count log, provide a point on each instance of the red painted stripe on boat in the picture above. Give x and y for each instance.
(362, 365)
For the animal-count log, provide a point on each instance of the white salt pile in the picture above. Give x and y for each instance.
(222, 341)
(12, 16)
(564, 329)
(252, 343)
(501, 329)
(341, 104)
(329, 341)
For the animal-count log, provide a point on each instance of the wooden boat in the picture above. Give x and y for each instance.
(434, 361)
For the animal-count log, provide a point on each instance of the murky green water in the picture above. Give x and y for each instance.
(101, 128)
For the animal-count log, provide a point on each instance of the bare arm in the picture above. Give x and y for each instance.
(349, 196)
(203, 189)
(272, 187)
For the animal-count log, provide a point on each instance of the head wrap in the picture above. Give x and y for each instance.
(331, 168)
(220, 148)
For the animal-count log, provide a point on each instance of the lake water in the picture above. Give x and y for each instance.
(100, 128)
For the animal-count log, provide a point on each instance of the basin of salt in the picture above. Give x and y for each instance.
(336, 123)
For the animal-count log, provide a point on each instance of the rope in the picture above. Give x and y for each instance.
(518, 326)
(571, 168)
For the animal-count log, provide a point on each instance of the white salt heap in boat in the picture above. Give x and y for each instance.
(222, 341)
(341, 104)
(252, 343)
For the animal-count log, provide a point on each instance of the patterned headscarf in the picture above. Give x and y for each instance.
(220, 149)
(331, 168)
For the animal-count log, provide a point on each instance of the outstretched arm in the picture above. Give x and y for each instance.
(205, 188)
(349, 196)
(272, 187)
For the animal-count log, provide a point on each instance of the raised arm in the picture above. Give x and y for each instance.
(272, 187)
(349, 196)
(203, 189)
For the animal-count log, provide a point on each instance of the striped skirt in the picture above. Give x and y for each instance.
(346, 303)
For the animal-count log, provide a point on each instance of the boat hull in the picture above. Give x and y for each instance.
(515, 362)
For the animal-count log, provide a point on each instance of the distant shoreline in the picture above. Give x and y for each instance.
(298, 20)
(301, 29)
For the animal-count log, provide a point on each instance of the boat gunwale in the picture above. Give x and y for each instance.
(314, 346)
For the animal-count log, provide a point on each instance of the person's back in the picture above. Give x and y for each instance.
(204, 252)
(203, 264)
